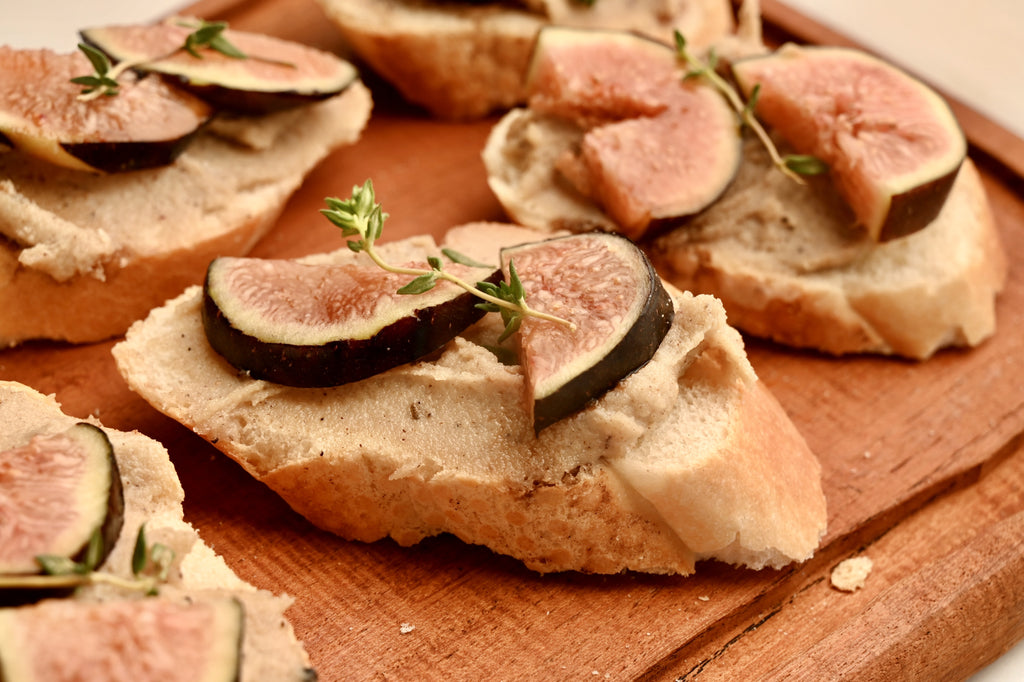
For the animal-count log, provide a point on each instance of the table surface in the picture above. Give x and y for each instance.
(969, 48)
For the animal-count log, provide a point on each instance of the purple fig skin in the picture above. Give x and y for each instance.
(893, 145)
(914, 209)
(629, 355)
(279, 94)
(109, 530)
(340, 361)
(652, 322)
(656, 148)
(251, 102)
(119, 157)
(147, 124)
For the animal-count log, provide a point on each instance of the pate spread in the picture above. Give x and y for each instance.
(66, 223)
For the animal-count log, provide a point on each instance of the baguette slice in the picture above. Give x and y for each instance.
(464, 59)
(689, 458)
(153, 496)
(83, 256)
(781, 260)
(783, 257)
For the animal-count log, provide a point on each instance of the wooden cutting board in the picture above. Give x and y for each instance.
(923, 469)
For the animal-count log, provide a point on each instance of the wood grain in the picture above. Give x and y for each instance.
(922, 466)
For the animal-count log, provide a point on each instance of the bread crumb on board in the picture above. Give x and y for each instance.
(851, 573)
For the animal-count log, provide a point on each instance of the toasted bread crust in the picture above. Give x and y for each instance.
(159, 228)
(465, 60)
(84, 308)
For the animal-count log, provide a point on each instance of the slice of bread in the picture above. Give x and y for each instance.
(83, 256)
(153, 496)
(787, 268)
(464, 59)
(688, 458)
(782, 256)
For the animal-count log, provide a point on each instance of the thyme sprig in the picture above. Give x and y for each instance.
(151, 565)
(104, 79)
(794, 166)
(362, 217)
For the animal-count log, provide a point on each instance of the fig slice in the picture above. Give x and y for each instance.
(316, 325)
(592, 76)
(146, 125)
(605, 286)
(892, 143)
(656, 146)
(274, 74)
(56, 492)
(128, 640)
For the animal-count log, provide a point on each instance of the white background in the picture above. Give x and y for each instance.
(973, 49)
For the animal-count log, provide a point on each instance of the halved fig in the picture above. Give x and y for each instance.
(593, 76)
(607, 288)
(892, 143)
(647, 170)
(309, 325)
(56, 492)
(656, 146)
(133, 640)
(274, 74)
(147, 124)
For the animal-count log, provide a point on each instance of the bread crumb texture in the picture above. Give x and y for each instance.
(851, 574)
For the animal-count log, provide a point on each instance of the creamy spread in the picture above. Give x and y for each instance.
(51, 244)
(67, 223)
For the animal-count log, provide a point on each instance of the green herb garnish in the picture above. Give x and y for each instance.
(361, 216)
(150, 567)
(793, 165)
(210, 34)
(103, 80)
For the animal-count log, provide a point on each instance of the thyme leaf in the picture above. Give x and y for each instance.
(150, 567)
(420, 285)
(507, 291)
(456, 257)
(361, 220)
(58, 565)
(99, 60)
(139, 552)
(93, 552)
(104, 79)
(210, 34)
(100, 81)
(794, 166)
(805, 164)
